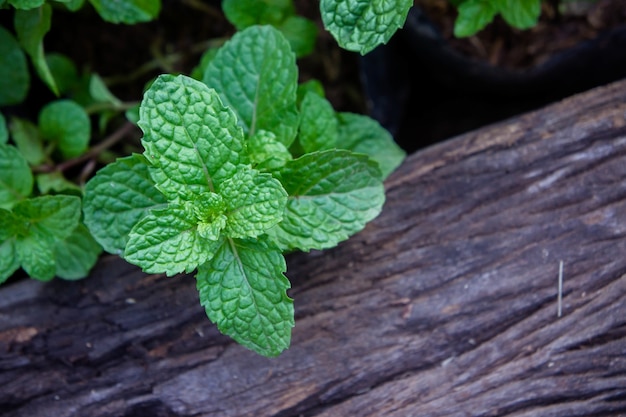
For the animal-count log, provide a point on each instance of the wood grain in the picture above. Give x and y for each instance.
(445, 305)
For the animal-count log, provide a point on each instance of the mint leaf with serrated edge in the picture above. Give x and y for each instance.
(168, 240)
(116, 198)
(266, 152)
(362, 25)
(31, 27)
(14, 75)
(522, 14)
(362, 134)
(332, 195)
(127, 11)
(318, 125)
(77, 254)
(66, 123)
(473, 16)
(243, 291)
(192, 141)
(16, 180)
(255, 74)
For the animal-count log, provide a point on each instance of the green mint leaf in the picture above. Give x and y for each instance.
(35, 254)
(243, 291)
(522, 14)
(266, 152)
(31, 27)
(332, 195)
(362, 134)
(63, 71)
(28, 140)
(127, 11)
(116, 198)
(246, 13)
(311, 86)
(190, 138)
(26, 4)
(255, 74)
(67, 124)
(9, 263)
(16, 180)
(14, 75)
(473, 16)
(362, 25)
(9, 224)
(77, 254)
(318, 124)
(57, 183)
(301, 33)
(168, 240)
(74, 5)
(100, 92)
(49, 217)
(254, 203)
(198, 72)
(4, 133)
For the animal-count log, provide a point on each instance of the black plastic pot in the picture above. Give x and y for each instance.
(424, 91)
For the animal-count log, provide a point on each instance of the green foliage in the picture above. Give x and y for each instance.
(65, 123)
(127, 11)
(14, 76)
(474, 15)
(218, 189)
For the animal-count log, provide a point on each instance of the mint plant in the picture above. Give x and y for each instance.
(235, 172)
(474, 15)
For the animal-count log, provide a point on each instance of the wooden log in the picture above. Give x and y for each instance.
(445, 305)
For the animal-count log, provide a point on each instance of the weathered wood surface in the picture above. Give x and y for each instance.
(446, 305)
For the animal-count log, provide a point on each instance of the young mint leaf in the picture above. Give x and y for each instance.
(473, 16)
(362, 134)
(362, 25)
(28, 140)
(301, 33)
(14, 75)
(16, 180)
(522, 14)
(168, 240)
(266, 152)
(116, 198)
(77, 254)
(332, 195)
(49, 217)
(57, 183)
(190, 138)
(31, 27)
(66, 123)
(35, 254)
(243, 291)
(246, 13)
(255, 74)
(318, 124)
(127, 11)
(4, 133)
(254, 203)
(8, 258)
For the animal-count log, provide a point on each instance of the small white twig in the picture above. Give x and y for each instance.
(559, 309)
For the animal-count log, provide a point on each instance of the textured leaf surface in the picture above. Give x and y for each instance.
(255, 74)
(28, 140)
(167, 240)
(36, 256)
(522, 14)
(318, 124)
(190, 138)
(16, 180)
(243, 290)
(127, 11)
(255, 202)
(77, 254)
(8, 259)
(362, 25)
(362, 134)
(266, 152)
(473, 16)
(49, 217)
(31, 27)
(66, 123)
(14, 75)
(332, 195)
(116, 198)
